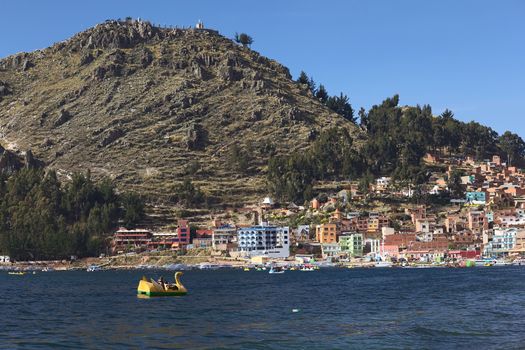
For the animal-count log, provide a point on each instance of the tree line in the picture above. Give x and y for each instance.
(42, 218)
(397, 139)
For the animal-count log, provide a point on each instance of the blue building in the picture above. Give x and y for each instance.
(476, 197)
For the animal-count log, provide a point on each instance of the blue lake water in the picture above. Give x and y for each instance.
(478, 308)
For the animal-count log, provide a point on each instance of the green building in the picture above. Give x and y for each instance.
(351, 244)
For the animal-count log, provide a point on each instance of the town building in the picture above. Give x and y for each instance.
(326, 233)
(503, 241)
(302, 234)
(183, 233)
(351, 244)
(223, 237)
(330, 250)
(270, 241)
(476, 198)
(125, 239)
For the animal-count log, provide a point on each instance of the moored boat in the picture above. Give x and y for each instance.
(276, 270)
(93, 268)
(519, 262)
(383, 264)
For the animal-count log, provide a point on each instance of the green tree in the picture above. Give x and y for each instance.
(189, 195)
(321, 94)
(455, 185)
(513, 146)
(133, 209)
(341, 105)
(243, 39)
(307, 81)
(238, 159)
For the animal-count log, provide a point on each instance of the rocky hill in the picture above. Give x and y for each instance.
(148, 106)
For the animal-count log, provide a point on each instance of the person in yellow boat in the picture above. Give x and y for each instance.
(162, 282)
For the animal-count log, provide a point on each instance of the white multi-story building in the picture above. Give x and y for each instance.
(503, 240)
(330, 250)
(269, 241)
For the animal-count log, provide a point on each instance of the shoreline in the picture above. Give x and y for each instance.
(160, 263)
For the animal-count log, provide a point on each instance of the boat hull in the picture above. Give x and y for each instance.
(161, 294)
(151, 288)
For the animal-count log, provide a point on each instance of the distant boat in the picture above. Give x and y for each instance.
(485, 262)
(276, 270)
(18, 273)
(519, 262)
(208, 266)
(383, 264)
(93, 268)
(308, 268)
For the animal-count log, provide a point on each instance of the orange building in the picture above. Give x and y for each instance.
(326, 233)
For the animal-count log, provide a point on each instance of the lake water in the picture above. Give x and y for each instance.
(478, 308)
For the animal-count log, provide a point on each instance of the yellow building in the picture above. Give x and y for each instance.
(326, 233)
(373, 225)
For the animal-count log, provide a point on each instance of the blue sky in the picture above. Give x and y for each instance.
(468, 55)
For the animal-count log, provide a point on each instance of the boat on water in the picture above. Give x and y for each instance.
(276, 270)
(485, 262)
(152, 288)
(519, 262)
(307, 268)
(500, 262)
(18, 273)
(383, 264)
(208, 266)
(246, 269)
(93, 268)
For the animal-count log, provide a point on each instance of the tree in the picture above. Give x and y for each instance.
(238, 159)
(41, 219)
(341, 105)
(363, 118)
(308, 81)
(243, 39)
(455, 186)
(513, 146)
(321, 94)
(133, 208)
(189, 195)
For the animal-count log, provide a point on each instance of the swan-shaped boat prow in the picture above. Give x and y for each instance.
(152, 288)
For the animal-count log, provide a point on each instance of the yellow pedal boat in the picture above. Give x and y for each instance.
(153, 288)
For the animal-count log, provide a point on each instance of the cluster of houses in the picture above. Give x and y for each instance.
(247, 242)
(488, 221)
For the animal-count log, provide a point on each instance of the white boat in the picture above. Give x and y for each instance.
(383, 264)
(93, 268)
(208, 266)
(499, 262)
(485, 262)
(519, 262)
(276, 270)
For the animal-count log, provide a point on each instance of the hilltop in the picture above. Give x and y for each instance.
(149, 106)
